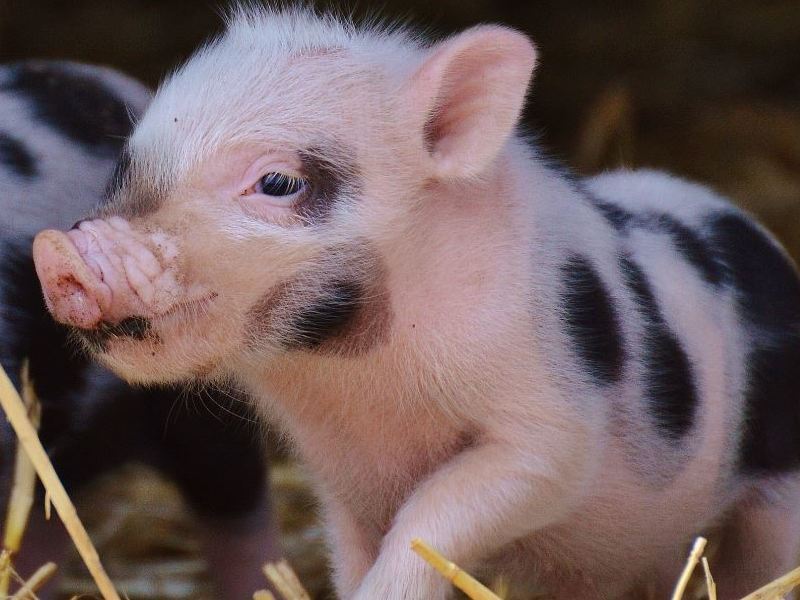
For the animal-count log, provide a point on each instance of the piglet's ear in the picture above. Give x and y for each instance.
(467, 97)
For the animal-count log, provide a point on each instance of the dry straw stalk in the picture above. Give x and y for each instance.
(285, 581)
(463, 581)
(21, 498)
(778, 588)
(42, 575)
(18, 417)
(694, 558)
(711, 587)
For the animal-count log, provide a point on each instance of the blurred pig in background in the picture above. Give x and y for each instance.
(62, 126)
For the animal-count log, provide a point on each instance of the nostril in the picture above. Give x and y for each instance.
(73, 294)
(78, 224)
(70, 302)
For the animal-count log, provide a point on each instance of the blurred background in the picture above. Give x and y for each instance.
(708, 89)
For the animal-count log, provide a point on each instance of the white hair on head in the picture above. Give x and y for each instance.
(233, 88)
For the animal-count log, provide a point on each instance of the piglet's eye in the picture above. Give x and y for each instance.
(279, 184)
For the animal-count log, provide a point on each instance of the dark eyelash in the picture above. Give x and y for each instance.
(279, 184)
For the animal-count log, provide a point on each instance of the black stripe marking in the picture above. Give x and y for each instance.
(16, 156)
(695, 250)
(765, 280)
(617, 217)
(78, 106)
(768, 294)
(128, 194)
(668, 377)
(690, 244)
(591, 321)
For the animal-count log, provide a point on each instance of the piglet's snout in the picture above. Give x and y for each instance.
(103, 271)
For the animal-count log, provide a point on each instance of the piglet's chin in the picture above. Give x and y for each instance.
(155, 362)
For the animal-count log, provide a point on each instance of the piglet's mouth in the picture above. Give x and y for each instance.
(143, 329)
(135, 328)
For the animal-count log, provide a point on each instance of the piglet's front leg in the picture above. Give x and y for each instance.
(483, 499)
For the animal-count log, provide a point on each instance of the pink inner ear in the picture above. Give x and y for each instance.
(463, 96)
(471, 91)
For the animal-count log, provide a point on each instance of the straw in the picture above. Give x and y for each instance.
(463, 581)
(18, 417)
(285, 581)
(691, 563)
(42, 575)
(23, 489)
(711, 587)
(778, 588)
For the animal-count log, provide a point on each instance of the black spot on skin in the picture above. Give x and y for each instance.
(137, 328)
(78, 106)
(333, 174)
(668, 374)
(325, 318)
(591, 321)
(16, 157)
(341, 307)
(768, 295)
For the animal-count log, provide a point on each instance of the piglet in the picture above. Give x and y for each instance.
(62, 126)
(566, 379)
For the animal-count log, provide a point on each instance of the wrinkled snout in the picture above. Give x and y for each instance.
(102, 271)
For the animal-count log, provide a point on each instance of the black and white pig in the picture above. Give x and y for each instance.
(565, 378)
(62, 126)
